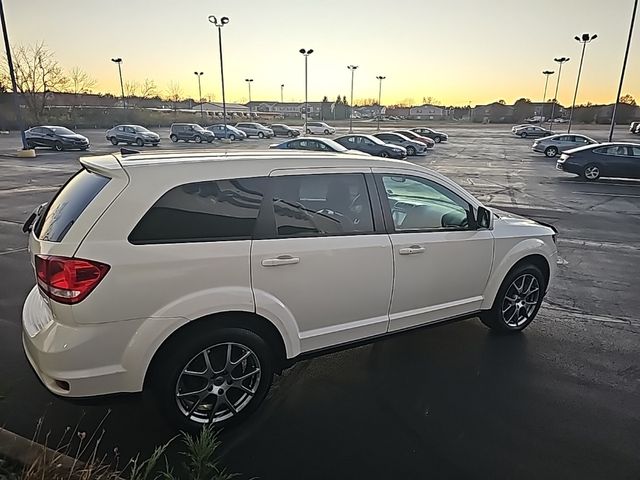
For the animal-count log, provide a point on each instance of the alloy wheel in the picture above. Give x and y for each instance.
(218, 383)
(592, 172)
(520, 300)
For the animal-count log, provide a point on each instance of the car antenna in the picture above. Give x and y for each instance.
(128, 151)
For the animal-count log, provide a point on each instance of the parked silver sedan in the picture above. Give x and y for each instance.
(413, 147)
(532, 131)
(555, 144)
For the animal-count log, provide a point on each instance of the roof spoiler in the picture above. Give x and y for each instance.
(106, 165)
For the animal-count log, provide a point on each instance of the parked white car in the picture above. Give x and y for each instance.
(320, 128)
(200, 275)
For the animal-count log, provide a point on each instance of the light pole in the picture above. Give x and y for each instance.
(249, 80)
(306, 54)
(282, 93)
(380, 78)
(12, 74)
(221, 23)
(119, 62)
(199, 74)
(624, 67)
(469, 111)
(561, 61)
(546, 74)
(353, 68)
(586, 38)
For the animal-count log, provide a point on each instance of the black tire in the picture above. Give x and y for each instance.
(411, 151)
(437, 139)
(384, 154)
(30, 144)
(290, 134)
(173, 138)
(155, 144)
(113, 140)
(185, 349)
(326, 132)
(260, 135)
(551, 152)
(58, 146)
(523, 135)
(591, 172)
(140, 142)
(495, 318)
(197, 139)
(209, 140)
(308, 132)
(232, 137)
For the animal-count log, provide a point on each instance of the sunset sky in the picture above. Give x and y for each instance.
(455, 50)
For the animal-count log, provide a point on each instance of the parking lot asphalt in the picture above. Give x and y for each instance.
(454, 401)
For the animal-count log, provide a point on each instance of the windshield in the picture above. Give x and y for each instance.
(375, 140)
(335, 145)
(198, 128)
(62, 131)
(141, 129)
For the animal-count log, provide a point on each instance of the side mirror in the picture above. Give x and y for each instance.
(484, 218)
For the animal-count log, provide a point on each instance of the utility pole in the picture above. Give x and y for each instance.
(586, 38)
(561, 61)
(199, 74)
(546, 74)
(353, 69)
(379, 78)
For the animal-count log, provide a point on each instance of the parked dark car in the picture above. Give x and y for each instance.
(190, 132)
(372, 145)
(602, 160)
(314, 145)
(417, 137)
(230, 132)
(431, 133)
(58, 138)
(282, 130)
(131, 134)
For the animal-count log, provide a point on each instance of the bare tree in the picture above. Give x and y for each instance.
(210, 97)
(628, 99)
(80, 82)
(37, 74)
(148, 89)
(174, 90)
(131, 88)
(431, 100)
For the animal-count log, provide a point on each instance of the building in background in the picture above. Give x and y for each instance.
(427, 112)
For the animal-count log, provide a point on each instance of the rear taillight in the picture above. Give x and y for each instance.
(68, 280)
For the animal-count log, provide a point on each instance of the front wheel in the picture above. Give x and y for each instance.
(290, 134)
(197, 139)
(518, 300)
(326, 132)
(437, 139)
(308, 132)
(113, 140)
(260, 135)
(551, 152)
(218, 376)
(140, 142)
(58, 147)
(232, 137)
(591, 172)
(411, 151)
(174, 138)
(523, 135)
(384, 154)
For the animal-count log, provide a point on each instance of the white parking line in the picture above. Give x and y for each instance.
(608, 194)
(594, 244)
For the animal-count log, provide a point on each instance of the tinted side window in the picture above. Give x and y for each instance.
(321, 205)
(67, 206)
(202, 212)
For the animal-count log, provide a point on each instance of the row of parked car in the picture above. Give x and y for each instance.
(584, 156)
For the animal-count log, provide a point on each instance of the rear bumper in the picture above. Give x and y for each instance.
(80, 360)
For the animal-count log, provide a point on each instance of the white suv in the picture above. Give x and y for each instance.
(320, 128)
(202, 275)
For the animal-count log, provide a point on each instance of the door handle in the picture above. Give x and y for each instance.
(280, 260)
(412, 250)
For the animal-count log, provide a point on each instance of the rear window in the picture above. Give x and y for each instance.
(202, 212)
(69, 203)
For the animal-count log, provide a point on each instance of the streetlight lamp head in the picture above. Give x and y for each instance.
(310, 51)
(594, 36)
(213, 19)
(548, 72)
(577, 38)
(224, 20)
(585, 37)
(303, 51)
(116, 60)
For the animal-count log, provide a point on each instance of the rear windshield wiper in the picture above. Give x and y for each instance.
(28, 225)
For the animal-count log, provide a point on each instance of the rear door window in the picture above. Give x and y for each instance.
(68, 204)
(202, 212)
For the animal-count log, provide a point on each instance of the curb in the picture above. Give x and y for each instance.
(24, 451)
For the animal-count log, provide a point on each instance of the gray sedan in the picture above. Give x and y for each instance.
(413, 147)
(131, 134)
(532, 131)
(555, 144)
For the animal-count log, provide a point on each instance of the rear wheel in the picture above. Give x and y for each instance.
(218, 376)
(411, 151)
(551, 152)
(173, 138)
(523, 135)
(591, 172)
(58, 147)
(140, 142)
(518, 300)
(113, 140)
(290, 133)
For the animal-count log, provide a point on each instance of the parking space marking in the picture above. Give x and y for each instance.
(15, 250)
(608, 194)
(594, 244)
(29, 188)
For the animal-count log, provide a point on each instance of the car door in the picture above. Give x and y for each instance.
(366, 145)
(634, 160)
(46, 137)
(129, 135)
(36, 137)
(563, 142)
(323, 259)
(442, 261)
